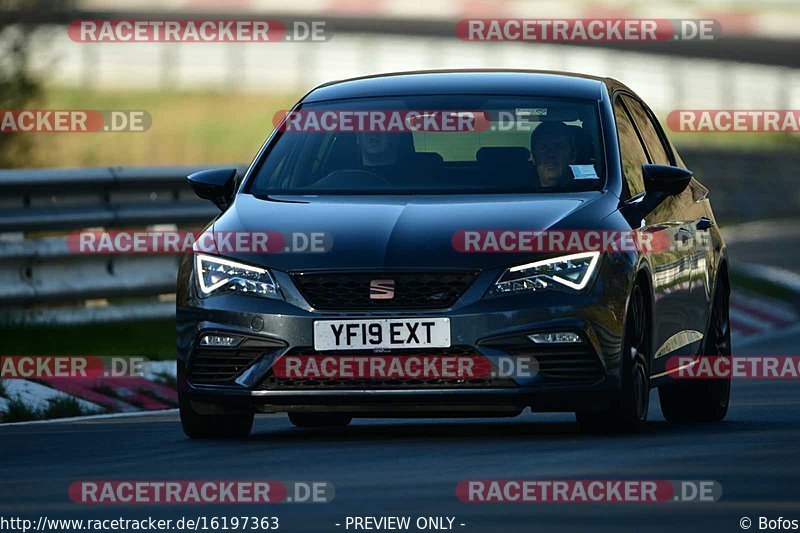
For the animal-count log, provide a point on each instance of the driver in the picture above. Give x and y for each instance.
(380, 154)
(553, 150)
(377, 148)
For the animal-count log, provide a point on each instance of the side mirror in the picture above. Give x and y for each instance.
(215, 185)
(660, 182)
(665, 179)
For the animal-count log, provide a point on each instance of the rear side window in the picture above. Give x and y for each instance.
(644, 123)
(631, 151)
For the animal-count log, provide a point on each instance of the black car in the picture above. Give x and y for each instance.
(426, 258)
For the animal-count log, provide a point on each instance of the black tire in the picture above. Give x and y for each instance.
(222, 426)
(704, 400)
(318, 420)
(627, 412)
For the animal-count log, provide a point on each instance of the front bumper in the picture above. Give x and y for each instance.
(566, 379)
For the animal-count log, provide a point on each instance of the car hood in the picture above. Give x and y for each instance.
(399, 232)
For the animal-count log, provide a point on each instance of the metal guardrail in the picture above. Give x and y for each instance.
(43, 281)
(68, 199)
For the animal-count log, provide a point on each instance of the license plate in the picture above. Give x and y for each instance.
(382, 333)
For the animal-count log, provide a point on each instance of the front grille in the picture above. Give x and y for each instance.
(412, 290)
(219, 366)
(273, 382)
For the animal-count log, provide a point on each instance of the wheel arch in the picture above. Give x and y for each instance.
(722, 275)
(643, 276)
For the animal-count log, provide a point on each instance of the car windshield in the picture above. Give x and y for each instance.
(453, 144)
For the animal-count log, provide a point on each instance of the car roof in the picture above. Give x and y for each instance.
(432, 82)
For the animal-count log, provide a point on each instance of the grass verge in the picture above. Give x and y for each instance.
(18, 411)
(60, 407)
(187, 128)
(154, 340)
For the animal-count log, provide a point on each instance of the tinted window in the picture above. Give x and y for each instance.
(631, 150)
(647, 129)
(518, 144)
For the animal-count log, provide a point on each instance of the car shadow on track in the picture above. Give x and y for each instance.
(491, 430)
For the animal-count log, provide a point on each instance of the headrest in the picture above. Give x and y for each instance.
(503, 155)
(428, 158)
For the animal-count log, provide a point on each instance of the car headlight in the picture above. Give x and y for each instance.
(215, 274)
(571, 271)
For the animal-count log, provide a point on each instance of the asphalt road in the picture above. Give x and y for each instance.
(411, 468)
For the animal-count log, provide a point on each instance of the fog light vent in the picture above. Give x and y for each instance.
(220, 341)
(559, 337)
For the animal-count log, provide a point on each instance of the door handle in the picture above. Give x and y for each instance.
(703, 223)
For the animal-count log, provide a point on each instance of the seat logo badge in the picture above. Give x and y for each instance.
(381, 289)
